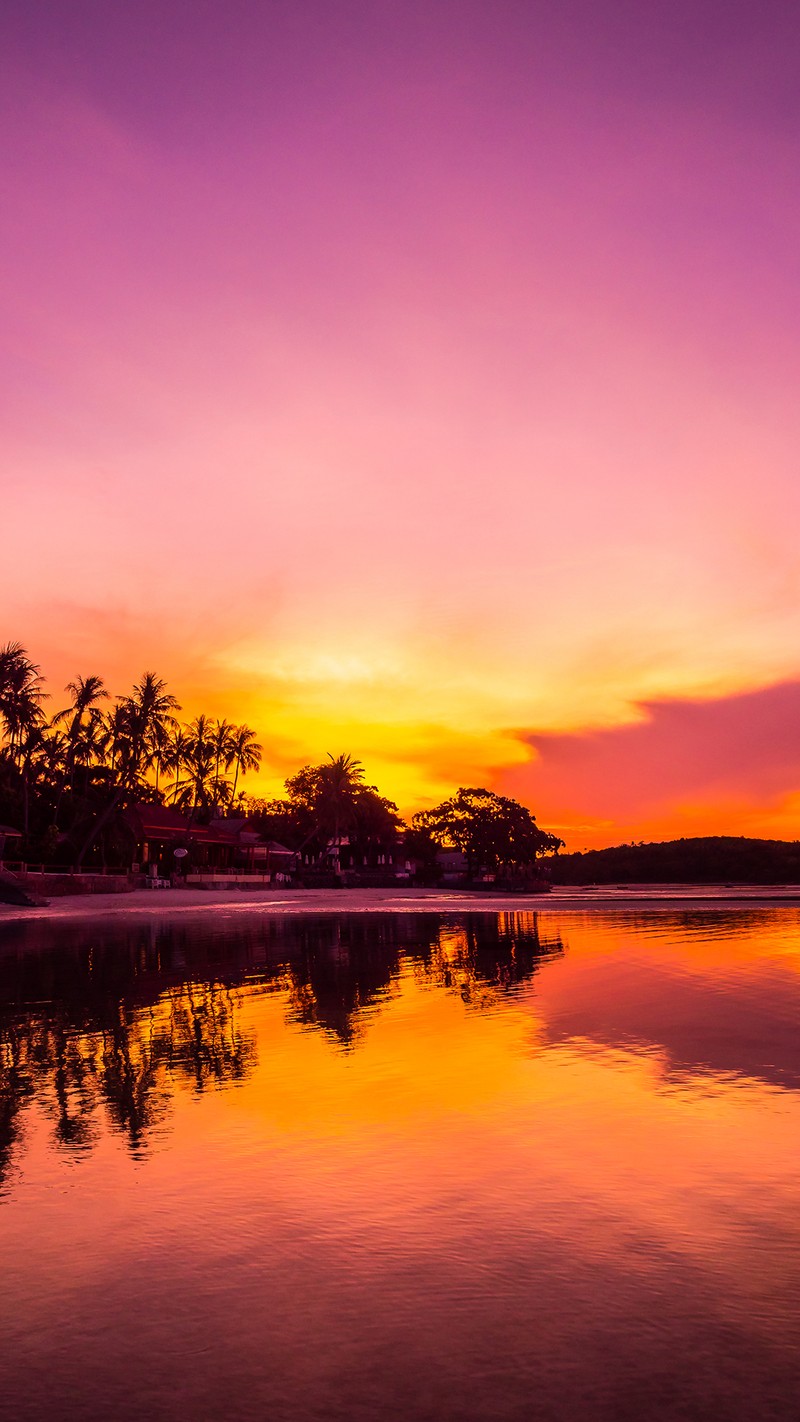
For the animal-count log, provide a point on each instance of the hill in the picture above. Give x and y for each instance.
(718, 859)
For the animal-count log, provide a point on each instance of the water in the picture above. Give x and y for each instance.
(403, 1166)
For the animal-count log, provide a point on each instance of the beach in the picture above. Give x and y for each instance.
(178, 902)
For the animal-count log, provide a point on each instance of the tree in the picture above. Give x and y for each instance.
(222, 739)
(325, 796)
(375, 825)
(147, 712)
(324, 802)
(21, 696)
(245, 753)
(339, 785)
(85, 693)
(22, 716)
(492, 831)
(136, 721)
(276, 819)
(175, 756)
(203, 788)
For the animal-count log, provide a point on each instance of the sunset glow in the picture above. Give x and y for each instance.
(418, 381)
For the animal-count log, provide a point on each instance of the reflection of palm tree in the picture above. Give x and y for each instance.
(204, 1039)
(125, 1017)
(340, 970)
(129, 1076)
(73, 1128)
(15, 1089)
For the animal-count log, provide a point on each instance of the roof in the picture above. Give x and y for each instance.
(162, 822)
(451, 858)
(158, 821)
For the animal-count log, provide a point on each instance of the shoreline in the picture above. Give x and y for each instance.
(168, 903)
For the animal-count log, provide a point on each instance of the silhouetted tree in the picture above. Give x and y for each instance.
(244, 753)
(85, 693)
(492, 831)
(149, 708)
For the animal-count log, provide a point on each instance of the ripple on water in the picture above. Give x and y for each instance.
(408, 1166)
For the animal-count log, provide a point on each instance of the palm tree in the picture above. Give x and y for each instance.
(203, 788)
(137, 720)
(222, 737)
(21, 714)
(85, 693)
(148, 713)
(160, 745)
(175, 757)
(29, 742)
(21, 696)
(339, 785)
(245, 753)
(91, 746)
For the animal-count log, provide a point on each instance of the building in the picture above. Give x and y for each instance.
(167, 842)
(9, 840)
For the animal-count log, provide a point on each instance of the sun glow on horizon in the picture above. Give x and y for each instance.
(427, 392)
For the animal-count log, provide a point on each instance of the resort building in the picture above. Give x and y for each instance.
(168, 842)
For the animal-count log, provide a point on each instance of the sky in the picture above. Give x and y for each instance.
(418, 380)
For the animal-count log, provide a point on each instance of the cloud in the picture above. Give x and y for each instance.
(684, 766)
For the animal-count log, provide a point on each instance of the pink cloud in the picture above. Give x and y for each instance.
(326, 331)
(685, 756)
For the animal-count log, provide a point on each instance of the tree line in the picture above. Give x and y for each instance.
(711, 859)
(66, 779)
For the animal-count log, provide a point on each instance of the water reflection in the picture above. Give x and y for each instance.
(104, 1016)
(125, 1058)
(708, 995)
(401, 1166)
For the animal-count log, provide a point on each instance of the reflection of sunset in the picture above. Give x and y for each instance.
(446, 1037)
(524, 1133)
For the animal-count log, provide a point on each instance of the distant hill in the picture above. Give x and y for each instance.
(719, 859)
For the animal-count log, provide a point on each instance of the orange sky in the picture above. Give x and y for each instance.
(427, 392)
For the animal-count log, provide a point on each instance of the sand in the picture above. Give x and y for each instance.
(166, 903)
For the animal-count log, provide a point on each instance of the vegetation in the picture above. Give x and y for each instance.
(719, 859)
(66, 778)
(99, 1031)
(495, 834)
(66, 782)
(326, 805)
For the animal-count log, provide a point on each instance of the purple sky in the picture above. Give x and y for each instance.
(414, 379)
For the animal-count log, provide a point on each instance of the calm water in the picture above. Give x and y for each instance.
(401, 1166)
